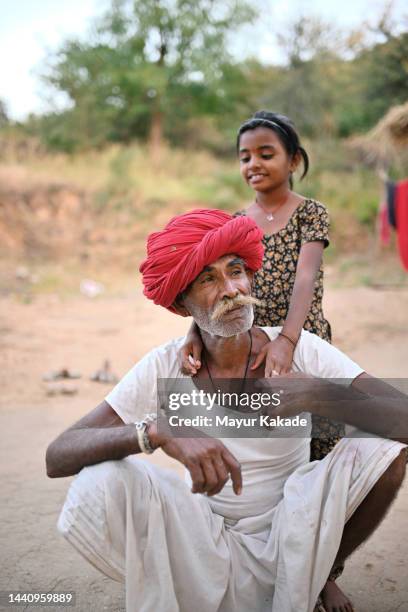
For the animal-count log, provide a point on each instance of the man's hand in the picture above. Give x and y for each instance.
(209, 462)
(295, 389)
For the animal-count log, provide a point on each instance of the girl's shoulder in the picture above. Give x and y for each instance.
(310, 204)
(311, 209)
(313, 222)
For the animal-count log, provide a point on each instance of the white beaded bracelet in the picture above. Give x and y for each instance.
(142, 437)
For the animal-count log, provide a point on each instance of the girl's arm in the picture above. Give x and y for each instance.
(192, 346)
(310, 259)
(279, 353)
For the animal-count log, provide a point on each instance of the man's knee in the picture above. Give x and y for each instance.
(393, 476)
(397, 469)
(98, 493)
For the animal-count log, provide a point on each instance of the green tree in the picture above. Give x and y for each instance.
(377, 76)
(384, 76)
(148, 65)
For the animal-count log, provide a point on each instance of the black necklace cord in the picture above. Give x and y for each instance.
(246, 366)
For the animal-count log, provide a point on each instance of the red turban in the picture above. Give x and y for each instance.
(188, 243)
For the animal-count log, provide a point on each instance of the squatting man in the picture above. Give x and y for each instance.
(256, 526)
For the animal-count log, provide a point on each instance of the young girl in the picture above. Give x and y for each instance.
(290, 283)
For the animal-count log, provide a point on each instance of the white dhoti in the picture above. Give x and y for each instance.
(176, 553)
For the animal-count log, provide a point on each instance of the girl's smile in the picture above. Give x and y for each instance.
(256, 178)
(263, 159)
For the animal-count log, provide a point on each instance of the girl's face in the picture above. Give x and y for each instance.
(264, 162)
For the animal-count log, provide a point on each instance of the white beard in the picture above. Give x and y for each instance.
(225, 329)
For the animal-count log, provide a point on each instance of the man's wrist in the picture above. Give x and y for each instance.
(155, 438)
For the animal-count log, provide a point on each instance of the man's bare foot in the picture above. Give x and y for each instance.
(334, 600)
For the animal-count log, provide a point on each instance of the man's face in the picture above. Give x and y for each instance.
(218, 298)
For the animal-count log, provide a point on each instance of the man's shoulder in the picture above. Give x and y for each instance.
(169, 347)
(163, 360)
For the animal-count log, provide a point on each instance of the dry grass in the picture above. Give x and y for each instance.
(388, 140)
(126, 194)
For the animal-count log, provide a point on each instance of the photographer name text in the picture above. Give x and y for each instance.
(237, 422)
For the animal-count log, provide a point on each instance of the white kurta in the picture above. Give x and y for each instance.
(269, 549)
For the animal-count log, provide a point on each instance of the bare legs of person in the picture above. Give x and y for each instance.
(361, 525)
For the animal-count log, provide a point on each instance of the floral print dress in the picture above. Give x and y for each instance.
(273, 285)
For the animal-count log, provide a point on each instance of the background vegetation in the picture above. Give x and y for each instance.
(154, 97)
(162, 69)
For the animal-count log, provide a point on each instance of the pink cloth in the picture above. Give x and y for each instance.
(188, 243)
(402, 220)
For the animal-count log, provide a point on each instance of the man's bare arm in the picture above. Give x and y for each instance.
(99, 436)
(368, 404)
(372, 406)
(387, 408)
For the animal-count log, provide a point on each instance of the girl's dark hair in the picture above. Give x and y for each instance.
(285, 131)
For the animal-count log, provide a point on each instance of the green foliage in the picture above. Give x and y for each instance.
(383, 71)
(150, 67)
(328, 87)
(375, 80)
(160, 70)
(368, 210)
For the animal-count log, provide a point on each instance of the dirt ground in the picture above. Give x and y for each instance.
(370, 325)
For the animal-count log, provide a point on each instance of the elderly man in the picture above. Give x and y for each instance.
(258, 527)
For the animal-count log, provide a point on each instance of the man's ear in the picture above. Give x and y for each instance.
(250, 275)
(179, 307)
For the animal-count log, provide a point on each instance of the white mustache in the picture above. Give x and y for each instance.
(229, 304)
